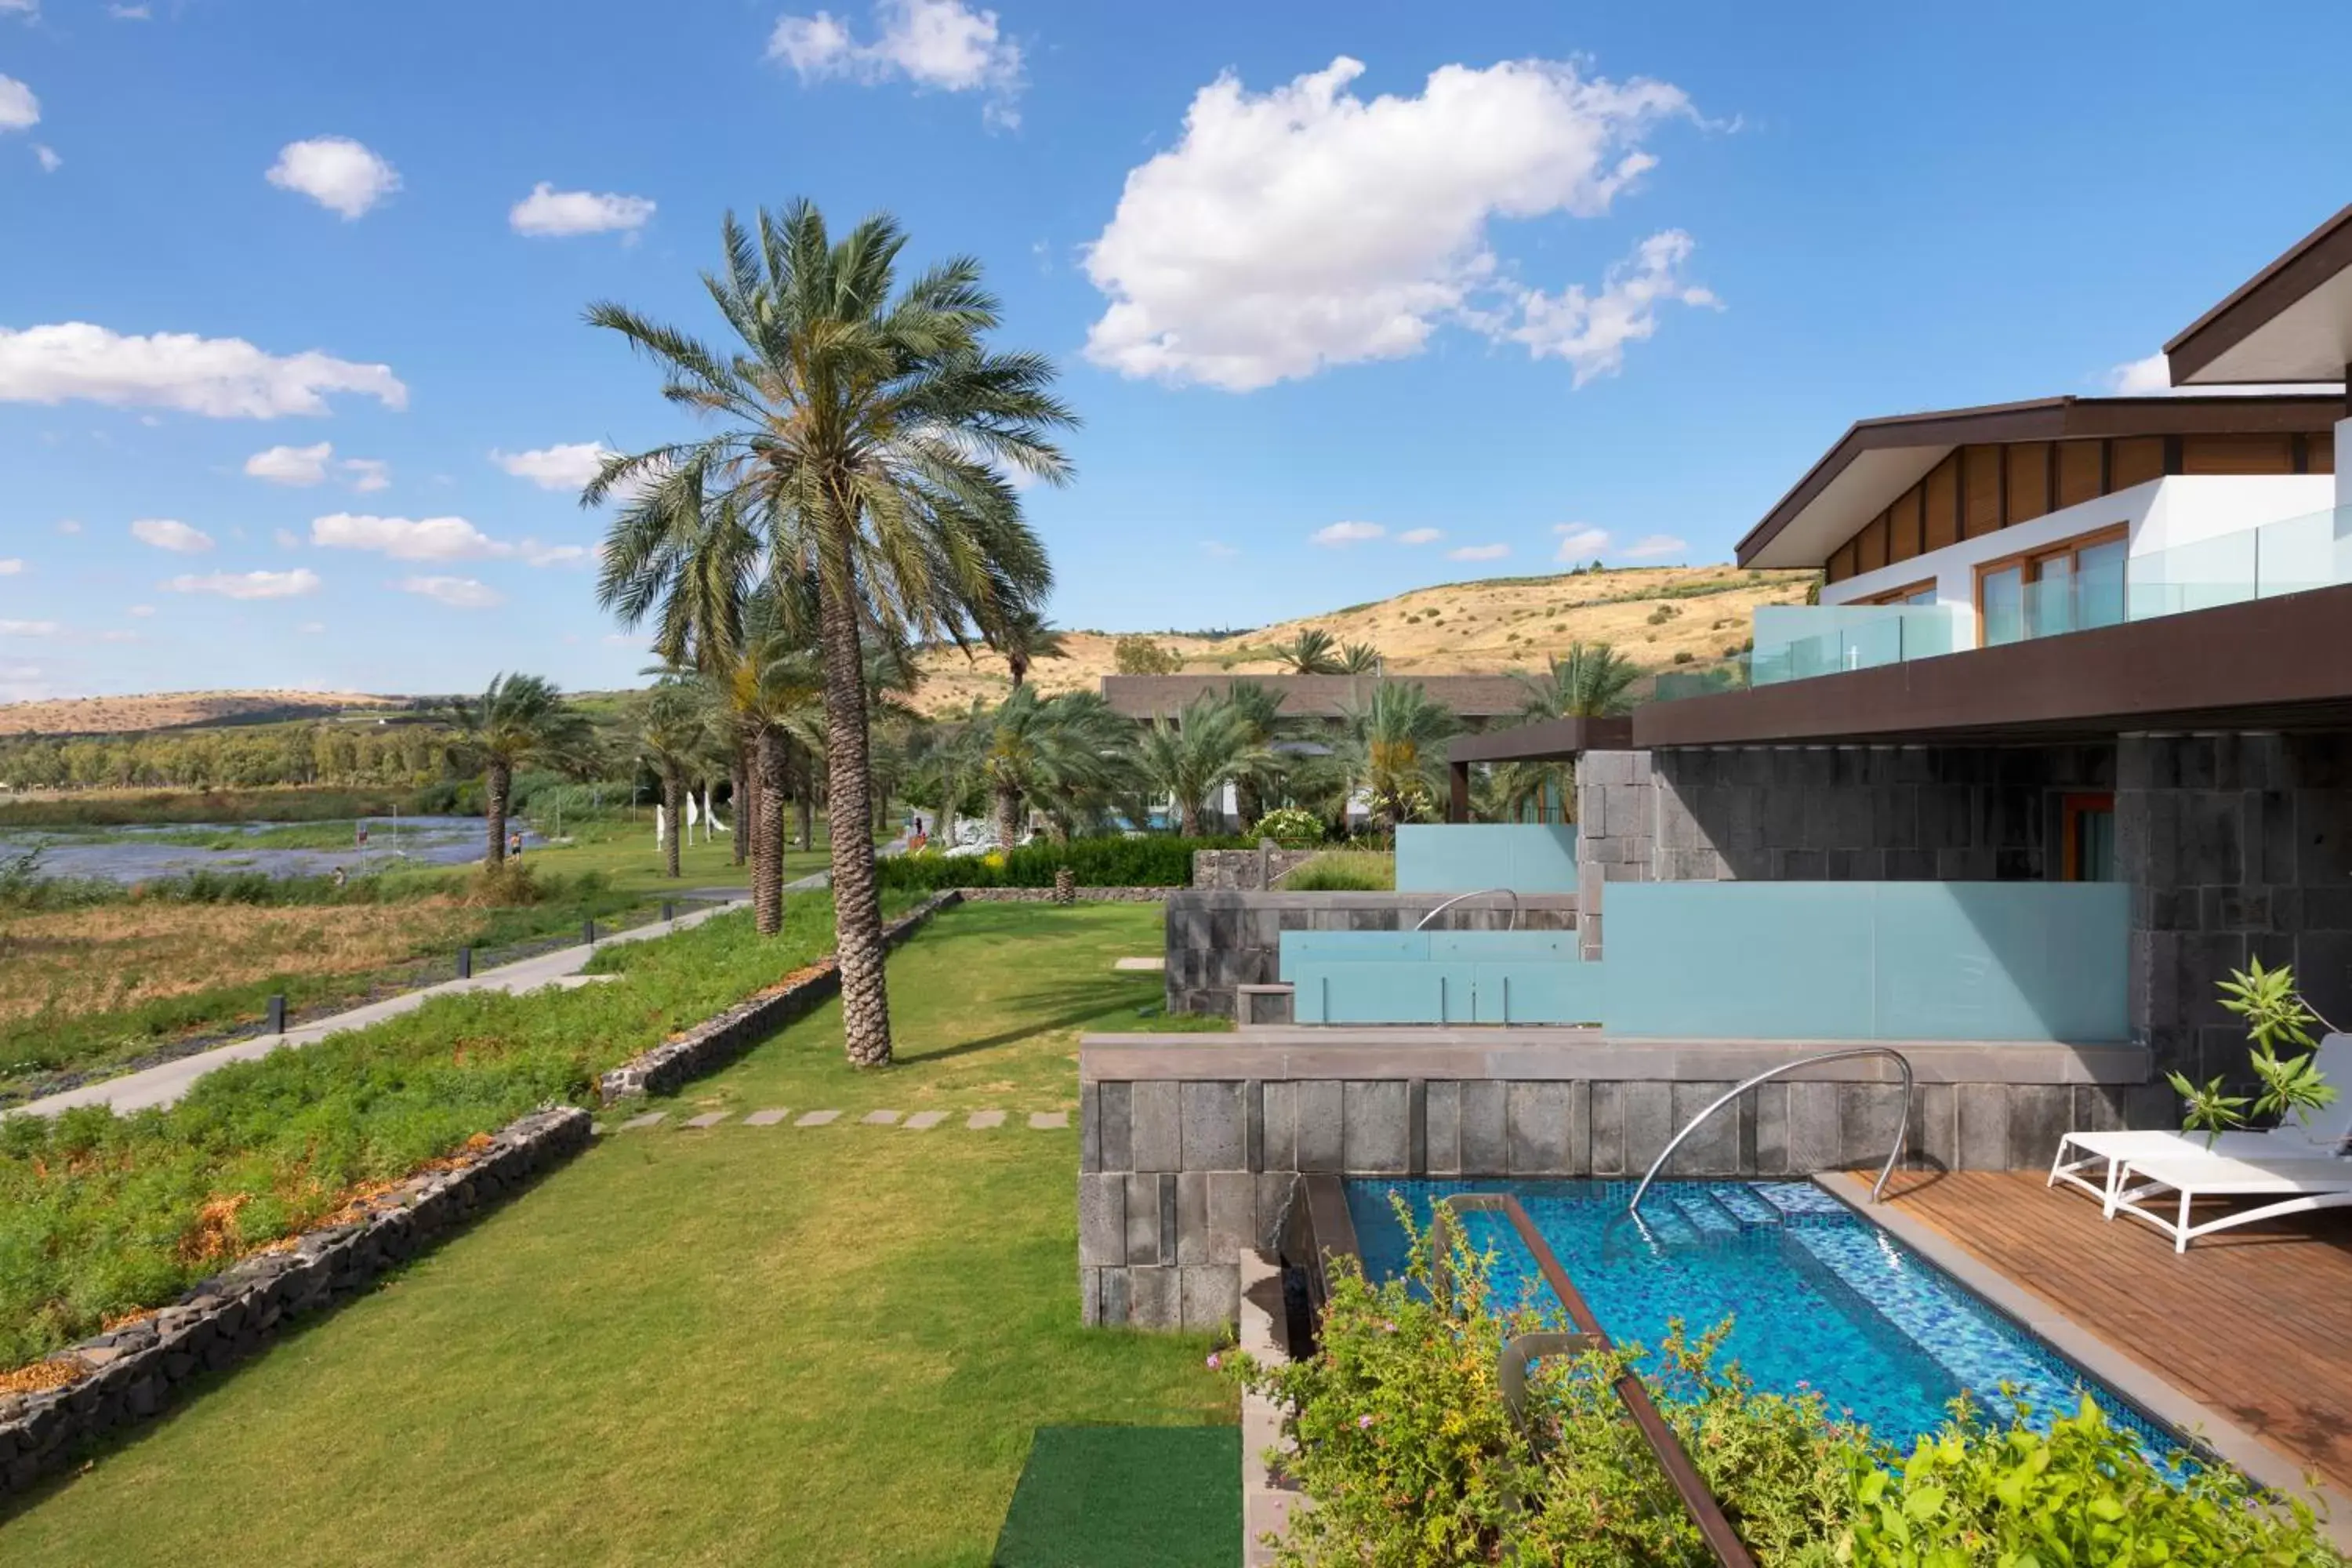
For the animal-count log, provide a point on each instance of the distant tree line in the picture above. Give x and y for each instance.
(399, 755)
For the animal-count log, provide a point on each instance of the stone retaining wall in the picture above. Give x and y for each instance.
(1217, 941)
(1077, 895)
(1246, 870)
(136, 1371)
(714, 1042)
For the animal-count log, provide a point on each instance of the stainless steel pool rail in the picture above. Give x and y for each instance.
(1511, 1366)
(1459, 898)
(1877, 1188)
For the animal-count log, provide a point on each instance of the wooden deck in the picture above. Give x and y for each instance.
(2256, 1323)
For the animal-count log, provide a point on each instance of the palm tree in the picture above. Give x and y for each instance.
(673, 737)
(1260, 710)
(518, 719)
(684, 557)
(1061, 753)
(1196, 755)
(1312, 652)
(1359, 658)
(1591, 680)
(1023, 636)
(860, 426)
(1393, 751)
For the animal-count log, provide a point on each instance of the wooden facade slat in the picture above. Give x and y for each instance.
(2251, 1322)
(2319, 453)
(2078, 472)
(2025, 494)
(1979, 491)
(1941, 491)
(2134, 460)
(1870, 545)
(2237, 454)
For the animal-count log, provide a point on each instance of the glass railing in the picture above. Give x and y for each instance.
(2292, 555)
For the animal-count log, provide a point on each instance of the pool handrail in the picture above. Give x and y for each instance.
(1706, 1512)
(1877, 1188)
(1477, 893)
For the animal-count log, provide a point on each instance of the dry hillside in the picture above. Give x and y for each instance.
(174, 709)
(1455, 629)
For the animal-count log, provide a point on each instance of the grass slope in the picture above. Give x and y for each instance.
(824, 1345)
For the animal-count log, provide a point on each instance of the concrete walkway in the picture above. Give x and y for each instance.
(163, 1084)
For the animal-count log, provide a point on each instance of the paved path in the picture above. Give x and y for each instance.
(920, 1121)
(163, 1084)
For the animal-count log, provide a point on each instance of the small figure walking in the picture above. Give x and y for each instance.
(337, 876)
(363, 836)
(514, 845)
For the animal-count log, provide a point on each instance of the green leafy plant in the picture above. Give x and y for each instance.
(1149, 860)
(1290, 826)
(2276, 1014)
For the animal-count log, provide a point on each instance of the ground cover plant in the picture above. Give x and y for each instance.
(1410, 1456)
(103, 1215)
(137, 808)
(1343, 872)
(791, 1345)
(1146, 860)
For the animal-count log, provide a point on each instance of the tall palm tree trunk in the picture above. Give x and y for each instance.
(1008, 815)
(672, 788)
(856, 897)
(807, 801)
(1188, 819)
(768, 839)
(748, 817)
(498, 780)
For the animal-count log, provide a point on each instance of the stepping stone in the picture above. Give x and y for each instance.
(981, 1119)
(1142, 966)
(708, 1119)
(818, 1119)
(924, 1120)
(766, 1118)
(650, 1119)
(880, 1119)
(1046, 1121)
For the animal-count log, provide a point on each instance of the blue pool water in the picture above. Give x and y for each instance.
(1818, 1295)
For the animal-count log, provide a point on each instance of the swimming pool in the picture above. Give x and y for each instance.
(1818, 1295)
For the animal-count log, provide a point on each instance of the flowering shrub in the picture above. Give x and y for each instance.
(1290, 826)
(1410, 1456)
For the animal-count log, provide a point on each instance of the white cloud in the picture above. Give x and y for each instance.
(943, 44)
(28, 9)
(222, 378)
(1339, 534)
(1478, 553)
(286, 539)
(336, 172)
(1580, 541)
(291, 465)
(170, 533)
(548, 212)
(46, 156)
(2152, 377)
(249, 584)
(457, 593)
(18, 108)
(11, 567)
(367, 475)
(118, 634)
(1421, 536)
(1591, 330)
(28, 629)
(1305, 226)
(433, 538)
(68, 525)
(312, 628)
(1651, 545)
(1218, 550)
(129, 13)
(143, 611)
(556, 468)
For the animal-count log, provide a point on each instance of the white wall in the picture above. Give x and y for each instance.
(2180, 508)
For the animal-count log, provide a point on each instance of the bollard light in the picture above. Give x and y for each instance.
(588, 933)
(278, 1014)
(465, 964)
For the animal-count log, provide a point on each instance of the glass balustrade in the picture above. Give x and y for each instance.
(2091, 587)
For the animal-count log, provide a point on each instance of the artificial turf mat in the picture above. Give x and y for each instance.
(1126, 1497)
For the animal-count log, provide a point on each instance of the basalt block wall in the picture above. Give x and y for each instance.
(1218, 940)
(1178, 1178)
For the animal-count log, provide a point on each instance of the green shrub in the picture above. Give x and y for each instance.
(1409, 1455)
(1149, 860)
(1344, 871)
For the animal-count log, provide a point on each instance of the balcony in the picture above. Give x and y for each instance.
(2292, 555)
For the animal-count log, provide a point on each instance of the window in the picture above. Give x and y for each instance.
(2088, 846)
(1917, 594)
(2067, 587)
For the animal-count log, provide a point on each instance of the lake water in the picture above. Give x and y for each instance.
(120, 856)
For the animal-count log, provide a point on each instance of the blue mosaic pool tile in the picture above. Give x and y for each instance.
(1799, 1199)
(1741, 1202)
(1707, 1217)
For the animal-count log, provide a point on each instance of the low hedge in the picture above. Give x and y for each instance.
(1153, 861)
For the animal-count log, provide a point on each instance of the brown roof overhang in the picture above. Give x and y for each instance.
(1544, 740)
(2309, 352)
(2268, 664)
(1928, 436)
(1313, 696)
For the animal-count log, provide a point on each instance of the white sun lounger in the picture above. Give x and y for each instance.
(2296, 1186)
(2301, 1137)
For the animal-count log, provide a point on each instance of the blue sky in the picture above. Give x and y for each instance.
(293, 383)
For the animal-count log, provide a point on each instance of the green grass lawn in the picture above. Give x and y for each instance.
(623, 851)
(822, 1346)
